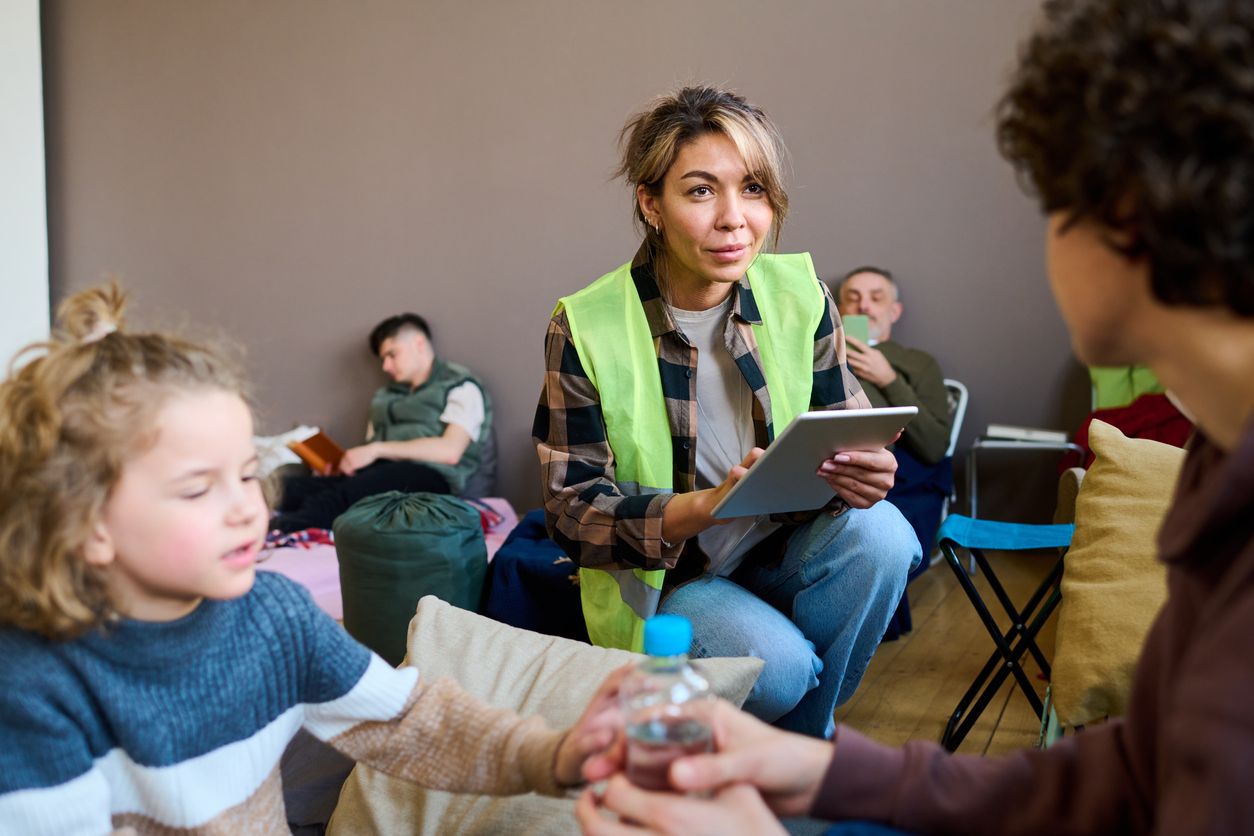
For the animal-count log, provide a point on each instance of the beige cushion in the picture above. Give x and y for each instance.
(1113, 585)
(1068, 492)
(528, 672)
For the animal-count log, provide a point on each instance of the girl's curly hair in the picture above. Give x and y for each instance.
(1140, 114)
(68, 421)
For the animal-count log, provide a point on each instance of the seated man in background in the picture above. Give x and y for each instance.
(427, 431)
(893, 375)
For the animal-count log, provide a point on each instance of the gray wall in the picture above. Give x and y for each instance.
(292, 171)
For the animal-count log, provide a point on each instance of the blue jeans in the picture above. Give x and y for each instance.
(815, 620)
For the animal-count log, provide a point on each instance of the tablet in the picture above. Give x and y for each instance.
(783, 479)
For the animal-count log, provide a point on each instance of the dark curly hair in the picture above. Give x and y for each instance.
(1140, 114)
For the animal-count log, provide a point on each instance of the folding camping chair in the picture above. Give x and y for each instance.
(976, 535)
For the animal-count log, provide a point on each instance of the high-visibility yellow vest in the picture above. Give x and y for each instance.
(610, 331)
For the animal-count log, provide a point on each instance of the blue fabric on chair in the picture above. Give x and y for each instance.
(989, 534)
(919, 492)
(529, 583)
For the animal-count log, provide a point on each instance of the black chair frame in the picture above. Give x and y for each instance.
(1010, 646)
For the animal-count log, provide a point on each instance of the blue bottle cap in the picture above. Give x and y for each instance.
(667, 635)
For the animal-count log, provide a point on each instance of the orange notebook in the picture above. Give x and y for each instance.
(319, 452)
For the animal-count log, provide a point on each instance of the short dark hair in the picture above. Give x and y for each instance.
(879, 271)
(1140, 114)
(389, 328)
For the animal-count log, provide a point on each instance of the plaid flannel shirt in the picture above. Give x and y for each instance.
(595, 524)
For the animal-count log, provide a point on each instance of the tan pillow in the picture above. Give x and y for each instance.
(1113, 584)
(528, 672)
(1068, 492)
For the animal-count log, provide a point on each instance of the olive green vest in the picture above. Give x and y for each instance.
(398, 414)
(611, 333)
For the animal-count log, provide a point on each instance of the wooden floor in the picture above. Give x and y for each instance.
(913, 684)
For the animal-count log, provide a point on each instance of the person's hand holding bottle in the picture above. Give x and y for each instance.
(757, 772)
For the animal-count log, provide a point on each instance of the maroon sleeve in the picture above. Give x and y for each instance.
(1080, 785)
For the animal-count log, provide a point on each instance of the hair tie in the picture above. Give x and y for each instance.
(99, 332)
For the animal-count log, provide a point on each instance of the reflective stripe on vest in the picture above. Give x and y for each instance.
(611, 333)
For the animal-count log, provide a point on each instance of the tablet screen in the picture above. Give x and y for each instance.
(783, 480)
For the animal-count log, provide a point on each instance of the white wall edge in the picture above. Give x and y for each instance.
(24, 300)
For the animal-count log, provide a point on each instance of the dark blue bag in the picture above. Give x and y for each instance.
(532, 584)
(919, 492)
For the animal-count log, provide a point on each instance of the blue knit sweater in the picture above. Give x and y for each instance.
(182, 724)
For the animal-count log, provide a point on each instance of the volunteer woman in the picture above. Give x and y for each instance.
(665, 378)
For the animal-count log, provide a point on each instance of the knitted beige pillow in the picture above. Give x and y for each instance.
(528, 672)
(1113, 584)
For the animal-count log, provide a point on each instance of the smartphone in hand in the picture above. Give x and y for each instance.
(856, 326)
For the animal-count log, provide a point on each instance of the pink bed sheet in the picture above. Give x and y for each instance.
(317, 569)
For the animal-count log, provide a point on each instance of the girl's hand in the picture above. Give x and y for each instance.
(601, 722)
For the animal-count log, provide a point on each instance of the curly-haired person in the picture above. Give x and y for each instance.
(1133, 120)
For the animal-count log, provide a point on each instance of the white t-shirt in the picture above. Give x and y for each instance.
(724, 432)
(464, 408)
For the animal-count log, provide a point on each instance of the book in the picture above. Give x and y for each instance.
(1025, 434)
(319, 452)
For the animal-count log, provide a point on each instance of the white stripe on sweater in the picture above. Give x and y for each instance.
(79, 807)
(186, 794)
(192, 792)
(380, 694)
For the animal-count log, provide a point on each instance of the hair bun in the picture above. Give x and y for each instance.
(93, 314)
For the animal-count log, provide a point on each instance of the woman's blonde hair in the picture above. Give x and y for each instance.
(69, 419)
(655, 134)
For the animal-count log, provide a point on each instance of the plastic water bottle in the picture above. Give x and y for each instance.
(666, 705)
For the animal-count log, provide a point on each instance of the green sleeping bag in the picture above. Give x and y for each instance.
(393, 549)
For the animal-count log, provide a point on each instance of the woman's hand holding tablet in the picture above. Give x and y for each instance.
(817, 455)
(688, 514)
(861, 478)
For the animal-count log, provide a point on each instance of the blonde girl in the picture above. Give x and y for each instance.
(150, 678)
